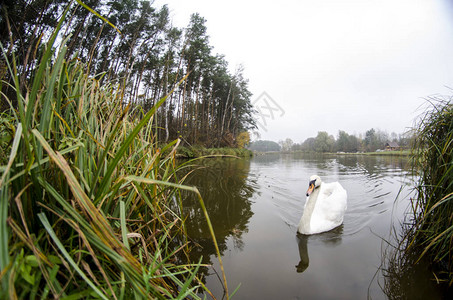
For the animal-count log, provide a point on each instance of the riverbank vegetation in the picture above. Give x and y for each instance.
(432, 210)
(424, 246)
(198, 152)
(90, 203)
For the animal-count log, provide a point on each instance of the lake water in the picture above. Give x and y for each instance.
(255, 206)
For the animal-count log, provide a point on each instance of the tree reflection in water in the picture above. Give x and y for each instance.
(226, 190)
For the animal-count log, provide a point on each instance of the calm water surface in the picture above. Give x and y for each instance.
(255, 206)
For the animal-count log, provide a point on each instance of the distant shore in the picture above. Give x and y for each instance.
(379, 153)
(198, 151)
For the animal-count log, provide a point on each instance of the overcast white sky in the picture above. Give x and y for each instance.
(330, 64)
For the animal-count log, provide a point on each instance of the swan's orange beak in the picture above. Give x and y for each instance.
(311, 187)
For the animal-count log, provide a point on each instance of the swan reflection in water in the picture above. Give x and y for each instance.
(303, 253)
(331, 239)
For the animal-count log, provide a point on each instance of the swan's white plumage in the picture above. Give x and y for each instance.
(324, 209)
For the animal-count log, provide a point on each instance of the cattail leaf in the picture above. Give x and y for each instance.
(67, 256)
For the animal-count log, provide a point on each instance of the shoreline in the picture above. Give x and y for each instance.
(184, 152)
(406, 153)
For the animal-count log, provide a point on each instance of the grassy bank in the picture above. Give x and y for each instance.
(199, 151)
(381, 153)
(90, 207)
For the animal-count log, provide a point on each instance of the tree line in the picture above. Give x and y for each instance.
(136, 48)
(372, 140)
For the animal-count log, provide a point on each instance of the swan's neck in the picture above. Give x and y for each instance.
(308, 211)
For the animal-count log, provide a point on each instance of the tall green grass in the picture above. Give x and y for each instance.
(90, 207)
(433, 207)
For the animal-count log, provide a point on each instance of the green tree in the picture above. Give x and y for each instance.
(375, 140)
(370, 140)
(243, 139)
(342, 141)
(308, 145)
(264, 146)
(324, 142)
(286, 145)
(211, 107)
(346, 142)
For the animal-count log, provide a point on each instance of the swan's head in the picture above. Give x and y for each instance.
(315, 181)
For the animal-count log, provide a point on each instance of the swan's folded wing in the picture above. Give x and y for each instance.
(332, 204)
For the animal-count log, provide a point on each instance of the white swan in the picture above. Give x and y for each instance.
(324, 208)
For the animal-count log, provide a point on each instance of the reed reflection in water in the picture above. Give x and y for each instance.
(255, 206)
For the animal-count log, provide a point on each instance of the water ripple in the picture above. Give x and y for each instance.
(372, 188)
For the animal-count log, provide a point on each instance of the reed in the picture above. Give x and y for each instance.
(90, 207)
(432, 209)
